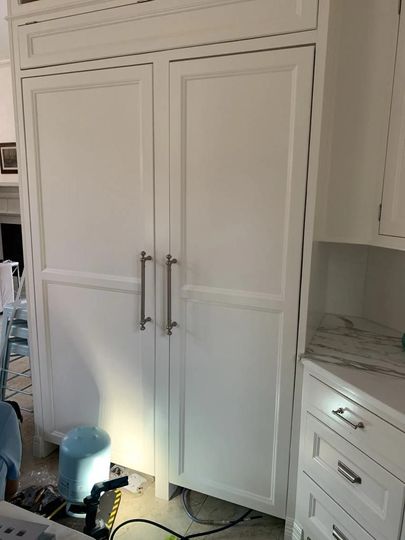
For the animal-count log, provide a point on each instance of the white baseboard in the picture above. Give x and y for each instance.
(292, 530)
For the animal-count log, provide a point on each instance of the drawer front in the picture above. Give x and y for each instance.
(370, 494)
(321, 518)
(158, 25)
(375, 437)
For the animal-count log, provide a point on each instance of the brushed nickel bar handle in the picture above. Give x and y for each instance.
(339, 412)
(144, 319)
(337, 534)
(348, 473)
(170, 324)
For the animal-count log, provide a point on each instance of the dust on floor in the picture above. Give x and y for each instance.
(41, 472)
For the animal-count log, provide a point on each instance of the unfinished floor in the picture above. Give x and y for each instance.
(170, 513)
(41, 472)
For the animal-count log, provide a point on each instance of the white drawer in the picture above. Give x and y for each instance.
(323, 519)
(369, 493)
(158, 25)
(377, 438)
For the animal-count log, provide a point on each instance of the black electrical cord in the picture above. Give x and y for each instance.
(185, 496)
(213, 531)
(174, 533)
(148, 522)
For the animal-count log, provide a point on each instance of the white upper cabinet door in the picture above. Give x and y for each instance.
(238, 167)
(90, 177)
(393, 202)
(153, 26)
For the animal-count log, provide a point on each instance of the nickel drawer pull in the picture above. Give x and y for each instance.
(144, 319)
(348, 473)
(339, 412)
(338, 535)
(170, 324)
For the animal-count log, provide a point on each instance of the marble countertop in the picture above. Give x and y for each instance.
(358, 343)
(363, 360)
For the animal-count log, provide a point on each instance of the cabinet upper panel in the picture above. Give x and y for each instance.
(89, 151)
(158, 25)
(239, 143)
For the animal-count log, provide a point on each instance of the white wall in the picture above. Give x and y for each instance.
(318, 285)
(338, 280)
(384, 300)
(346, 279)
(359, 281)
(7, 128)
(4, 46)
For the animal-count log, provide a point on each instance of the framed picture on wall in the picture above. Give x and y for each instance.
(8, 158)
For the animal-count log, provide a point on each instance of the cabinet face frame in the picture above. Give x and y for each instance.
(161, 124)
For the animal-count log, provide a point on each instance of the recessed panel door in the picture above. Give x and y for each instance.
(238, 154)
(90, 177)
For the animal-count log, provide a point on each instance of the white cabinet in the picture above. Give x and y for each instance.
(361, 58)
(322, 518)
(90, 175)
(351, 461)
(155, 25)
(393, 202)
(188, 128)
(362, 171)
(201, 153)
(239, 133)
(368, 492)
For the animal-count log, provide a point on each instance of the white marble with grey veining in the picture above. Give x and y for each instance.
(358, 343)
